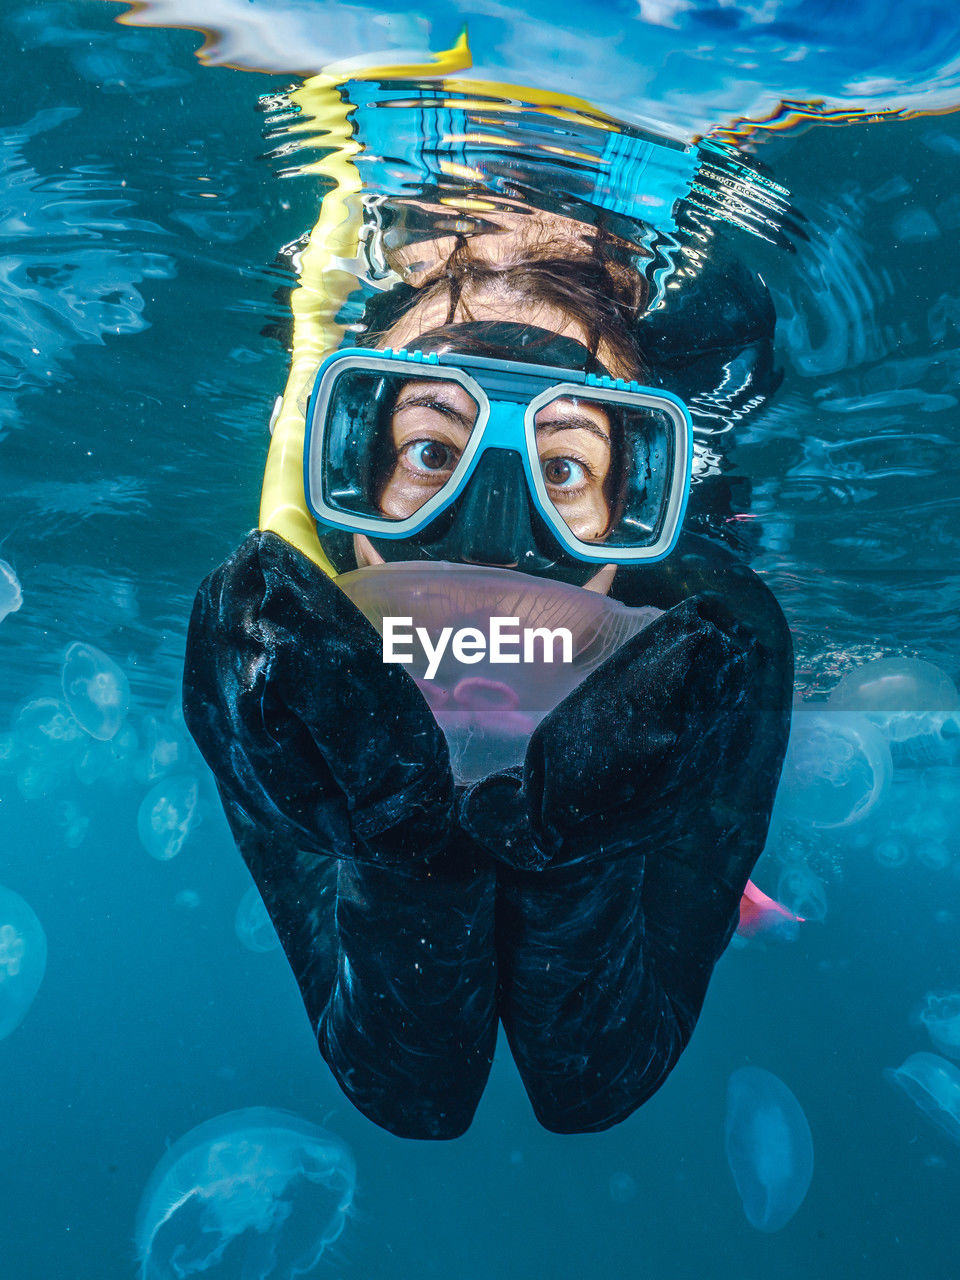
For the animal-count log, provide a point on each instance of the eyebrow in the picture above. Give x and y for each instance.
(574, 422)
(430, 400)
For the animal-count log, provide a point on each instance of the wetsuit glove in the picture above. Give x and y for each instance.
(661, 739)
(308, 731)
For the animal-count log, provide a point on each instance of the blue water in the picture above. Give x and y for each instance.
(143, 293)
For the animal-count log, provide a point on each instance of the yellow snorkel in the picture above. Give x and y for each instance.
(323, 284)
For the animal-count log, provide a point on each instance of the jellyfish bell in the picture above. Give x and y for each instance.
(896, 685)
(941, 1017)
(168, 813)
(252, 923)
(257, 1192)
(23, 959)
(11, 596)
(913, 702)
(837, 770)
(932, 1084)
(769, 1147)
(95, 689)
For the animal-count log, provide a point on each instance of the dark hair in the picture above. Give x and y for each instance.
(603, 293)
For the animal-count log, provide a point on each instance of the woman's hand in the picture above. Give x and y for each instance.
(667, 745)
(304, 726)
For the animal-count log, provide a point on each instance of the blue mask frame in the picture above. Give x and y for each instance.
(508, 395)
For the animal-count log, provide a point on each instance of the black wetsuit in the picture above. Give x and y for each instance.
(583, 899)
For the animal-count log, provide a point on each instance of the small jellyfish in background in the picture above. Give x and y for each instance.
(164, 749)
(837, 770)
(769, 1147)
(802, 892)
(933, 1084)
(23, 959)
(941, 1016)
(623, 1188)
(187, 899)
(168, 813)
(891, 853)
(73, 824)
(48, 732)
(11, 597)
(48, 740)
(96, 690)
(253, 925)
(256, 1193)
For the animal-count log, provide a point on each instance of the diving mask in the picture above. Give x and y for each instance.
(394, 439)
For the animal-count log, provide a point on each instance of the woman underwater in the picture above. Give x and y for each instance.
(583, 898)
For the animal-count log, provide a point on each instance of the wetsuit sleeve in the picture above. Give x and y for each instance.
(627, 839)
(336, 781)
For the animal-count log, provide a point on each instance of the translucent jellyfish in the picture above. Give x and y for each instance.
(802, 892)
(837, 770)
(73, 823)
(49, 740)
(912, 701)
(164, 749)
(623, 1188)
(891, 853)
(23, 959)
(253, 925)
(167, 815)
(48, 731)
(896, 685)
(933, 1084)
(256, 1193)
(96, 690)
(941, 1016)
(933, 854)
(111, 761)
(769, 1147)
(11, 597)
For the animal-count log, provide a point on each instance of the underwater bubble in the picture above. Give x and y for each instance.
(933, 1084)
(253, 925)
(769, 1147)
(941, 1016)
(837, 770)
(256, 1193)
(167, 815)
(11, 597)
(23, 959)
(96, 690)
(802, 892)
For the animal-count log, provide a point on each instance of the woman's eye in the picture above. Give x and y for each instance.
(563, 473)
(430, 455)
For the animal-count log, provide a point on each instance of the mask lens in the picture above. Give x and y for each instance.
(393, 441)
(607, 468)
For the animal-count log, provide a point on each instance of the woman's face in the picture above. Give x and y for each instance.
(431, 425)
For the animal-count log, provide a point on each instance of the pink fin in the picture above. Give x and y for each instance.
(760, 914)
